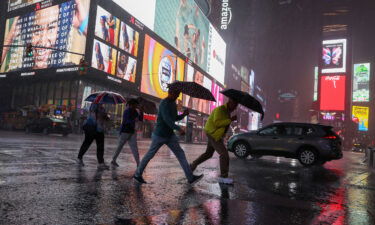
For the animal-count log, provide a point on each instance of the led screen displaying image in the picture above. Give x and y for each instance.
(183, 25)
(334, 56)
(104, 57)
(159, 68)
(143, 10)
(60, 26)
(216, 56)
(107, 26)
(16, 4)
(129, 39)
(360, 115)
(361, 82)
(126, 67)
(332, 93)
(215, 89)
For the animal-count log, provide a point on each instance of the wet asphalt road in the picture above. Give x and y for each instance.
(41, 184)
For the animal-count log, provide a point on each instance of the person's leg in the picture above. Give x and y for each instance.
(224, 156)
(206, 155)
(134, 147)
(156, 143)
(122, 140)
(180, 154)
(100, 147)
(85, 145)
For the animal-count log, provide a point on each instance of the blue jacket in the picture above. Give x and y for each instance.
(129, 118)
(167, 116)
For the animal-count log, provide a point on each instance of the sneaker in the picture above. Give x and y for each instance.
(196, 179)
(139, 179)
(225, 180)
(103, 166)
(80, 162)
(114, 163)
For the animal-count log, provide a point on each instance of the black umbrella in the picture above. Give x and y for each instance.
(244, 99)
(149, 107)
(192, 89)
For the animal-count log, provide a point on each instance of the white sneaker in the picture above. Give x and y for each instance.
(103, 166)
(225, 180)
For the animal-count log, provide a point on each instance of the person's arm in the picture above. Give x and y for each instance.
(220, 120)
(168, 117)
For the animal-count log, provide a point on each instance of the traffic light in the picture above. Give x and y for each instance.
(29, 50)
(82, 67)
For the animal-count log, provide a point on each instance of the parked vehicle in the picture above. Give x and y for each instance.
(48, 125)
(309, 143)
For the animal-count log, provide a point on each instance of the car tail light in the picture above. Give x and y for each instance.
(54, 124)
(330, 137)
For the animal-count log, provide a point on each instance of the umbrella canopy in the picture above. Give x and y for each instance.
(106, 97)
(244, 99)
(192, 89)
(149, 107)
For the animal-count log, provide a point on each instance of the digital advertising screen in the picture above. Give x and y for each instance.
(361, 82)
(107, 26)
(126, 67)
(252, 82)
(332, 93)
(129, 39)
(334, 56)
(316, 72)
(215, 89)
(158, 69)
(104, 57)
(216, 56)
(183, 25)
(360, 114)
(62, 26)
(17, 4)
(138, 9)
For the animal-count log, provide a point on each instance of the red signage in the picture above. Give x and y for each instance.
(332, 93)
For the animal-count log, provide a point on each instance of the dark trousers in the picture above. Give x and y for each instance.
(220, 148)
(89, 138)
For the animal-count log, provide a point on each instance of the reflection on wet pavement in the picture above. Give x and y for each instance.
(41, 184)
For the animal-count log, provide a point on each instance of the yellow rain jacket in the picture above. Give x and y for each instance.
(218, 122)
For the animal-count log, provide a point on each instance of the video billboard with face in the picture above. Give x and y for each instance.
(334, 56)
(183, 25)
(332, 93)
(62, 27)
(159, 68)
(104, 57)
(107, 26)
(129, 39)
(361, 82)
(360, 114)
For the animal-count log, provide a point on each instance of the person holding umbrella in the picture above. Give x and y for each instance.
(164, 134)
(216, 127)
(94, 130)
(128, 132)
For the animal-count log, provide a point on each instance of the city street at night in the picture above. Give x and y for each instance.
(40, 183)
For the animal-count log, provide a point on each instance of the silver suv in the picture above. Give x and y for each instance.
(309, 143)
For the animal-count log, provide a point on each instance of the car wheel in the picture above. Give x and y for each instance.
(307, 156)
(45, 131)
(241, 149)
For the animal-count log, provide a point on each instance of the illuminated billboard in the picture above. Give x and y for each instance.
(17, 4)
(107, 26)
(62, 27)
(104, 57)
(126, 67)
(360, 114)
(215, 89)
(216, 55)
(138, 9)
(183, 25)
(332, 93)
(129, 39)
(316, 72)
(361, 82)
(334, 56)
(159, 68)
